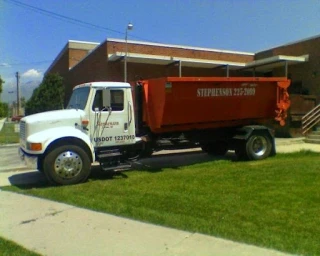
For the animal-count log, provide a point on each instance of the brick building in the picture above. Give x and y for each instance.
(80, 62)
(305, 76)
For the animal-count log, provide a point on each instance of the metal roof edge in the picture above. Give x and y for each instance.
(82, 42)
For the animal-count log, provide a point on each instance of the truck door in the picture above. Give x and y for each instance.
(113, 124)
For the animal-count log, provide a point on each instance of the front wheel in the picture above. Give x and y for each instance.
(67, 165)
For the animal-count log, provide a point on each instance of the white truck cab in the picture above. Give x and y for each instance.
(98, 125)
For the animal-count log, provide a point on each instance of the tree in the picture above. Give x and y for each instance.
(4, 109)
(48, 96)
(22, 102)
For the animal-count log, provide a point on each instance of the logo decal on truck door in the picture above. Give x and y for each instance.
(108, 124)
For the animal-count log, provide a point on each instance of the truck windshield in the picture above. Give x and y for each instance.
(79, 98)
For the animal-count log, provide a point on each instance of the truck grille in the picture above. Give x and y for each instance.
(22, 130)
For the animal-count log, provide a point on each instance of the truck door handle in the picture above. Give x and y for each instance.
(129, 113)
(125, 126)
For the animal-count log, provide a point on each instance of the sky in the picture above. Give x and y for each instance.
(33, 32)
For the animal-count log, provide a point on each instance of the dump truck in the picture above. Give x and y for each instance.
(115, 123)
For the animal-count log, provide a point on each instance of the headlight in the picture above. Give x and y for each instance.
(34, 146)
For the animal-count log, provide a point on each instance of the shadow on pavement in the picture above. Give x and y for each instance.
(158, 162)
(97, 174)
(27, 180)
(154, 164)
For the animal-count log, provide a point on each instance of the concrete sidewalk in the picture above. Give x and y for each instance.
(52, 228)
(295, 145)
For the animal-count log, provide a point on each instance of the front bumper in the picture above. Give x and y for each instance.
(29, 160)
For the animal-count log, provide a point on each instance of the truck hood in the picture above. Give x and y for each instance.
(60, 117)
(48, 120)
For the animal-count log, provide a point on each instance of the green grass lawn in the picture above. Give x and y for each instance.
(273, 203)
(8, 135)
(8, 248)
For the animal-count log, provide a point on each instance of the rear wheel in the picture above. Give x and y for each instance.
(66, 165)
(258, 146)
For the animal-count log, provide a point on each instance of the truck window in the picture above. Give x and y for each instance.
(79, 98)
(116, 100)
(116, 97)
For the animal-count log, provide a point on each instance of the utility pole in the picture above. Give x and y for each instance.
(18, 93)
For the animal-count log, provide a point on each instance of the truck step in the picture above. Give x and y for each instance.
(114, 168)
(106, 155)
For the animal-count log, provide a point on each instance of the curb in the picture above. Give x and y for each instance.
(15, 169)
(289, 141)
(14, 145)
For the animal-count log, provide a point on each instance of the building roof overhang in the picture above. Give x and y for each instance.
(262, 65)
(268, 64)
(169, 60)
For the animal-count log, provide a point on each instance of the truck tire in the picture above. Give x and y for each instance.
(258, 146)
(67, 165)
(218, 148)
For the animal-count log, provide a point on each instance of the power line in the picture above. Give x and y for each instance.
(68, 19)
(62, 17)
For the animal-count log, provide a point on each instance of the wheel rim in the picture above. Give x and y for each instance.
(259, 145)
(68, 165)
